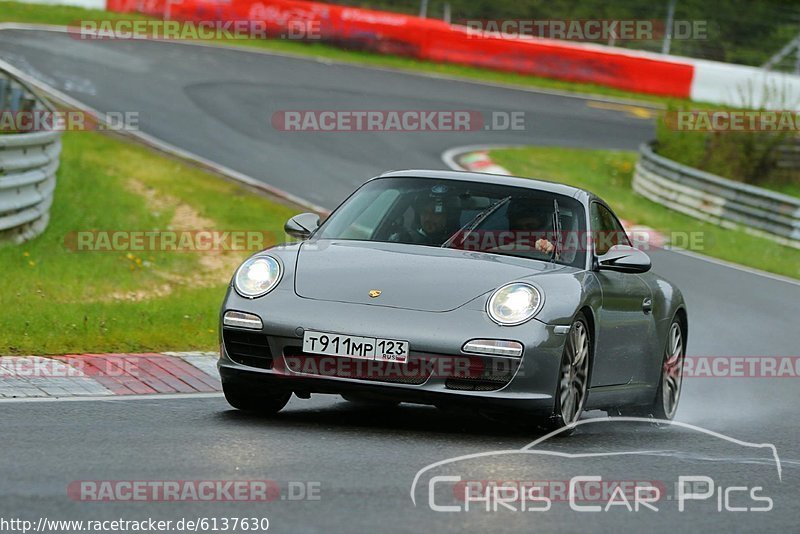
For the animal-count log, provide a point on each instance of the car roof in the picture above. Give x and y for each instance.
(527, 183)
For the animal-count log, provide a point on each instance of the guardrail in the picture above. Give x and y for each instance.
(28, 164)
(717, 200)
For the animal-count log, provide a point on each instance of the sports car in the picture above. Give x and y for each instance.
(498, 294)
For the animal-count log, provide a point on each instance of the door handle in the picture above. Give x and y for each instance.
(647, 305)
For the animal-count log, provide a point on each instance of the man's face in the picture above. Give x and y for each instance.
(431, 221)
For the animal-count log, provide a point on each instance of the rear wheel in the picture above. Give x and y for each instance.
(573, 375)
(665, 403)
(266, 404)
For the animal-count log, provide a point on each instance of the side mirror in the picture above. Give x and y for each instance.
(302, 226)
(624, 259)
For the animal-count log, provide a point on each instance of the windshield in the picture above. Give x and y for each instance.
(471, 216)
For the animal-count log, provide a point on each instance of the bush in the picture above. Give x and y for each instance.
(756, 158)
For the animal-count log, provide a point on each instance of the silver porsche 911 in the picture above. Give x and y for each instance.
(500, 294)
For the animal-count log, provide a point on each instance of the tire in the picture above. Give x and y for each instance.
(665, 404)
(252, 403)
(573, 377)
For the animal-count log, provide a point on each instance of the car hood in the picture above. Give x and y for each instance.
(408, 276)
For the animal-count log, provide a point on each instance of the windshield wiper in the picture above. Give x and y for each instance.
(557, 228)
(476, 221)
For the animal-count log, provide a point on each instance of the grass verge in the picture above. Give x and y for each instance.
(57, 301)
(609, 174)
(65, 15)
(56, 14)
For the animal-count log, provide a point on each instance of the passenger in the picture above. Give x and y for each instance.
(529, 217)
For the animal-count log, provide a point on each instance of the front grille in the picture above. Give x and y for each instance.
(247, 348)
(415, 372)
(483, 373)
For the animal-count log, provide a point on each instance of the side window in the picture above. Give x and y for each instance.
(364, 225)
(606, 230)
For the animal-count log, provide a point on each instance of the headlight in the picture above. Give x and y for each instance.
(257, 276)
(514, 304)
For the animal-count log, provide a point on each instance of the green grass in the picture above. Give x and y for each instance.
(609, 174)
(55, 14)
(56, 301)
(63, 15)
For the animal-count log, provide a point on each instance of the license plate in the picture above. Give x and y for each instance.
(368, 348)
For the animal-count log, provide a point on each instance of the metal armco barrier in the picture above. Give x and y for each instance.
(28, 164)
(718, 200)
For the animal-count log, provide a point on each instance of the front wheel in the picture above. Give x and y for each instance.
(573, 382)
(265, 404)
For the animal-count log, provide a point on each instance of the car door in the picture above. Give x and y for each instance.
(625, 325)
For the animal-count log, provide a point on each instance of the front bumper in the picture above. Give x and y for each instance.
(438, 372)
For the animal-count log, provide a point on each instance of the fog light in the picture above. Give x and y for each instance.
(494, 347)
(242, 320)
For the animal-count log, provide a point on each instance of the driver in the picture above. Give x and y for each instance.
(527, 215)
(433, 219)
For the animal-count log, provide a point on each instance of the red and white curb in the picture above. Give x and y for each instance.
(467, 159)
(480, 161)
(99, 375)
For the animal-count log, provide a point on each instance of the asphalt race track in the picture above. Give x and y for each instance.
(217, 103)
